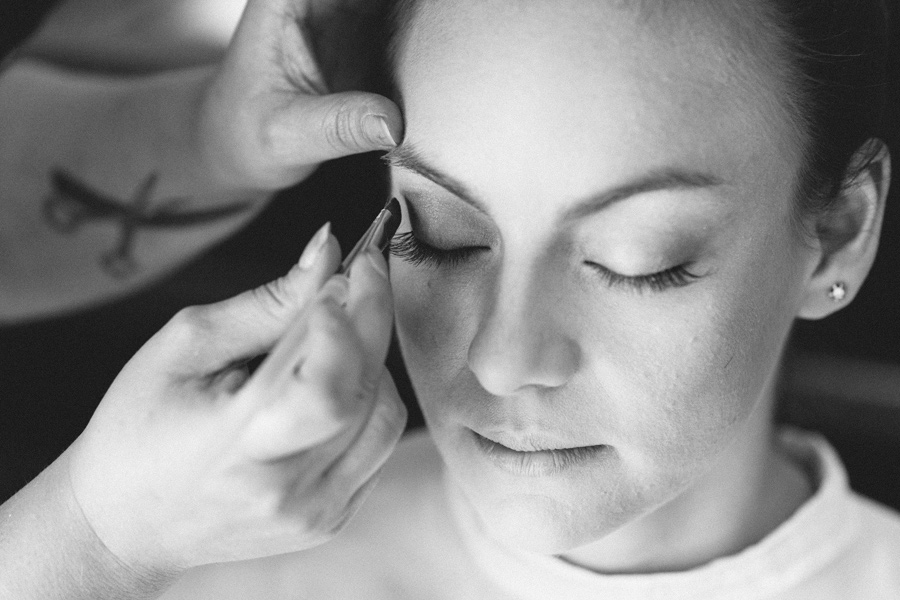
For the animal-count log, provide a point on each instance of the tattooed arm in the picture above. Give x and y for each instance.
(77, 153)
(110, 181)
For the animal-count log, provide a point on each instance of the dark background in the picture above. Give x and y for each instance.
(56, 371)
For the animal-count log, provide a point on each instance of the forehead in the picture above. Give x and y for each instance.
(740, 41)
(656, 81)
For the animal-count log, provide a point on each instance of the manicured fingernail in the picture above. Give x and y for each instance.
(378, 129)
(314, 247)
(377, 263)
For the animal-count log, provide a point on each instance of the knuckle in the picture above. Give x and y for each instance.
(360, 495)
(272, 297)
(189, 325)
(291, 505)
(340, 400)
(341, 520)
(271, 138)
(355, 388)
(330, 396)
(397, 415)
(341, 126)
(320, 524)
(318, 419)
(270, 504)
(391, 420)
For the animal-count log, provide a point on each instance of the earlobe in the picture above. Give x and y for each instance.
(848, 234)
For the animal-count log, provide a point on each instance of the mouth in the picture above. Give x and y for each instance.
(534, 459)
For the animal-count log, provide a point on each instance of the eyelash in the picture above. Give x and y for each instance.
(406, 246)
(674, 277)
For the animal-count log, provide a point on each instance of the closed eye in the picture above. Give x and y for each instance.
(408, 247)
(675, 277)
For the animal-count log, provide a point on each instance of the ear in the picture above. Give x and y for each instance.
(847, 233)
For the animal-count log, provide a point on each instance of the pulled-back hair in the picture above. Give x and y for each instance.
(839, 50)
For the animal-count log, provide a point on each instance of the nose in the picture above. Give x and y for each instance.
(522, 341)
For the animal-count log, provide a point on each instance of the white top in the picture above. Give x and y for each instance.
(417, 538)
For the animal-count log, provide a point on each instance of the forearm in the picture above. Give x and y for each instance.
(48, 551)
(103, 186)
(135, 35)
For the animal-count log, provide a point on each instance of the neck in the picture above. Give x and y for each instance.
(750, 490)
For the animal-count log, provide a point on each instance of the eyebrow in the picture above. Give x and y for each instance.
(407, 157)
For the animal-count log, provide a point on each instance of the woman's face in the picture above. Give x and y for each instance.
(604, 267)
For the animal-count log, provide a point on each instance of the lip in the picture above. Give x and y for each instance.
(538, 462)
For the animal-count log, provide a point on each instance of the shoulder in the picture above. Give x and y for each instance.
(845, 545)
(879, 525)
(867, 566)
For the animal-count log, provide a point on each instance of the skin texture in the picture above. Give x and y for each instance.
(141, 133)
(190, 459)
(532, 108)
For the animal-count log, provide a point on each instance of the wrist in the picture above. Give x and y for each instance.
(49, 550)
(137, 579)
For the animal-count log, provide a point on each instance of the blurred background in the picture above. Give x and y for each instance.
(842, 376)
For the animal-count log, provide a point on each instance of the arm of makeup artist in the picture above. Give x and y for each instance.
(117, 167)
(187, 461)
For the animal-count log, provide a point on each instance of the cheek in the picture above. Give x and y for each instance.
(682, 387)
(433, 314)
(670, 377)
(685, 378)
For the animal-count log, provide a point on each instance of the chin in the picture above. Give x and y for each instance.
(543, 525)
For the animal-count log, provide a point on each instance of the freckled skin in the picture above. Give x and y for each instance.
(534, 106)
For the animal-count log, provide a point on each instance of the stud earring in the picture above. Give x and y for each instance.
(838, 291)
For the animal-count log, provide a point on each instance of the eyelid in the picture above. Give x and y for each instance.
(408, 247)
(411, 248)
(434, 219)
(441, 206)
(677, 276)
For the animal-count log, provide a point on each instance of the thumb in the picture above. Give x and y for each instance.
(217, 335)
(320, 128)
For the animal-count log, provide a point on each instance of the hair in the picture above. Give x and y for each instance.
(837, 64)
(839, 50)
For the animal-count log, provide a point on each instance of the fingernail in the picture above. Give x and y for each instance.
(377, 263)
(377, 128)
(314, 247)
